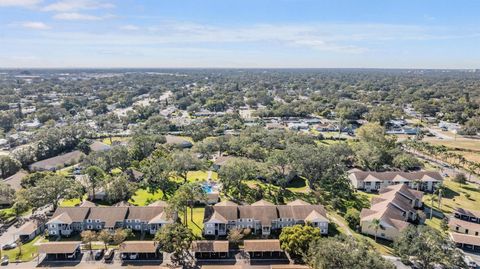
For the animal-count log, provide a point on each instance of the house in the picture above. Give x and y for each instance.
(67, 250)
(221, 161)
(465, 222)
(178, 141)
(99, 146)
(204, 249)
(69, 220)
(261, 248)
(464, 227)
(29, 230)
(395, 208)
(374, 181)
(466, 242)
(467, 215)
(139, 250)
(54, 163)
(15, 180)
(262, 217)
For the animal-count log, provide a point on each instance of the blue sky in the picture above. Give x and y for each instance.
(242, 33)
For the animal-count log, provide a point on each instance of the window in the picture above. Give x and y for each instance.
(97, 220)
(53, 232)
(89, 227)
(466, 231)
(476, 233)
(137, 227)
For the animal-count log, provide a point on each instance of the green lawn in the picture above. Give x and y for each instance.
(434, 223)
(115, 138)
(29, 251)
(197, 224)
(193, 176)
(298, 185)
(70, 202)
(143, 197)
(456, 196)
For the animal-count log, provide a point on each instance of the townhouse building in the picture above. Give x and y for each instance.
(262, 217)
(70, 220)
(369, 181)
(395, 208)
(464, 227)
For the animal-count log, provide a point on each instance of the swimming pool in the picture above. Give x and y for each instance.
(207, 188)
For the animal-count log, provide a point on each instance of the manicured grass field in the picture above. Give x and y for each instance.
(456, 195)
(459, 143)
(197, 224)
(143, 197)
(29, 251)
(70, 203)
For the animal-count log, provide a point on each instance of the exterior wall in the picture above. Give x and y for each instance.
(322, 225)
(469, 231)
(89, 224)
(389, 233)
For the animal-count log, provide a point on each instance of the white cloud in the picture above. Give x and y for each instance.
(19, 3)
(73, 16)
(35, 25)
(129, 27)
(76, 5)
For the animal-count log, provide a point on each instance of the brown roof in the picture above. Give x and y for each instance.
(472, 226)
(227, 212)
(61, 160)
(144, 213)
(390, 205)
(262, 245)
(465, 239)
(28, 228)
(265, 214)
(467, 212)
(66, 247)
(263, 211)
(300, 212)
(76, 214)
(99, 146)
(210, 246)
(390, 176)
(222, 160)
(87, 203)
(109, 215)
(138, 247)
(15, 180)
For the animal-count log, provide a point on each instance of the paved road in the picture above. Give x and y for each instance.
(451, 171)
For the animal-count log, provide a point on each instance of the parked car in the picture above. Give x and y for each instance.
(470, 263)
(9, 246)
(4, 261)
(108, 257)
(99, 254)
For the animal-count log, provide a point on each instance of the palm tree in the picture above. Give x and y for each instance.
(417, 183)
(440, 191)
(376, 225)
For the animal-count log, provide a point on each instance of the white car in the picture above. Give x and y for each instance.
(470, 262)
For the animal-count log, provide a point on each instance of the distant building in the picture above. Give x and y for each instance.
(178, 141)
(58, 162)
(374, 181)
